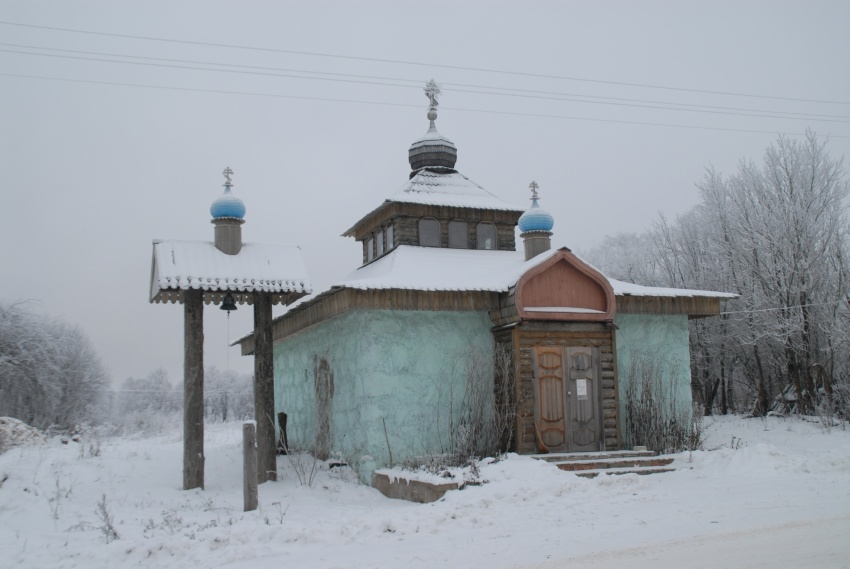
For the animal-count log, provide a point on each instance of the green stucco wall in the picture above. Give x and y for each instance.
(657, 346)
(340, 381)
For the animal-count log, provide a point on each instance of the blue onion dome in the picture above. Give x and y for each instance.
(535, 218)
(432, 150)
(227, 205)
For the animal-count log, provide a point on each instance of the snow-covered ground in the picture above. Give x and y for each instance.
(770, 493)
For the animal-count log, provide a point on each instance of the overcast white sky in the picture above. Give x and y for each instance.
(92, 173)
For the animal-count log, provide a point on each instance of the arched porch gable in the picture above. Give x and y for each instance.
(567, 289)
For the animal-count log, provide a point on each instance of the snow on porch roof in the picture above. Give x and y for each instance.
(274, 268)
(437, 269)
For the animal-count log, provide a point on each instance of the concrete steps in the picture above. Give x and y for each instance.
(591, 464)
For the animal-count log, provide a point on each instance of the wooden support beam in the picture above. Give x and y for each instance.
(193, 389)
(264, 388)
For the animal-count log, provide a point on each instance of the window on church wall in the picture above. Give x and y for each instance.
(429, 232)
(486, 235)
(370, 249)
(380, 243)
(458, 235)
(390, 237)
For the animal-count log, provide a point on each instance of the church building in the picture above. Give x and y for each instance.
(379, 368)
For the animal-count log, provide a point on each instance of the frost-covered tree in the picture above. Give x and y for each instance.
(50, 375)
(777, 235)
(152, 403)
(153, 393)
(228, 395)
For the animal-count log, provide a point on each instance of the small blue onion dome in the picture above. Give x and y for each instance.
(227, 205)
(535, 218)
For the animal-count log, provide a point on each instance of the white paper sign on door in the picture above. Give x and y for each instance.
(581, 388)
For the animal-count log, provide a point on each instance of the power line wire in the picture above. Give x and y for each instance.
(387, 104)
(420, 64)
(376, 83)
(446, 86)
(170, 66)
(383, 84)
(773, 309)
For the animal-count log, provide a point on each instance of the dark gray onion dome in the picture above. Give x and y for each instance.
(433, 150)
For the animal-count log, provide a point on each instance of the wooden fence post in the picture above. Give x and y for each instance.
(282, 442)
(249, 474)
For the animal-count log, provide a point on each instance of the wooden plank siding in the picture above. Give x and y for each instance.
(399, 210)
(405, 217)
(693, 306)
(547, 289)
(527, 336)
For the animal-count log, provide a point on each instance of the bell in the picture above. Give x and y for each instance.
(228, 304)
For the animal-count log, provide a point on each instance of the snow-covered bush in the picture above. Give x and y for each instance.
(652, 416)
(16, 433)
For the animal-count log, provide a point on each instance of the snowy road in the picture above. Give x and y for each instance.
(822, 543)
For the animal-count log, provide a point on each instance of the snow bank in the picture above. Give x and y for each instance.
(16, 433)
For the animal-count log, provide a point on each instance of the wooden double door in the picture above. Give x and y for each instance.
(568, 398)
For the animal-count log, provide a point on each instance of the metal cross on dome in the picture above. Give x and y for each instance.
(533, 186)
(432, 91)
(227, 174)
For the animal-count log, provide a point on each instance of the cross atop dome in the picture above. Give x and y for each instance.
(227, 174)
(432, 91)
(533, 187)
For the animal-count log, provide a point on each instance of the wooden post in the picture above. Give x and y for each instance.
(193, 389)
(249, 474)
(264, 388)
(282, 442)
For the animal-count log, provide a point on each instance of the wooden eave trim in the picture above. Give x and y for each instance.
(367, 220)
(175, 296)
(691, 306)
(392, 209)
(565, 255)
(532, 327)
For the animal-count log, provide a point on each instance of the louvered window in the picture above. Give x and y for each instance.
(429, 232)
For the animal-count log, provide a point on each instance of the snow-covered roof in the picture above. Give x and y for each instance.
(629, 289)
(448, 189)
(441, 188)
(181, 265)
(432, 268)
(438, 269)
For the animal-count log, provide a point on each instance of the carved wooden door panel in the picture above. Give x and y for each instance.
(550, 395)
(584, 421)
